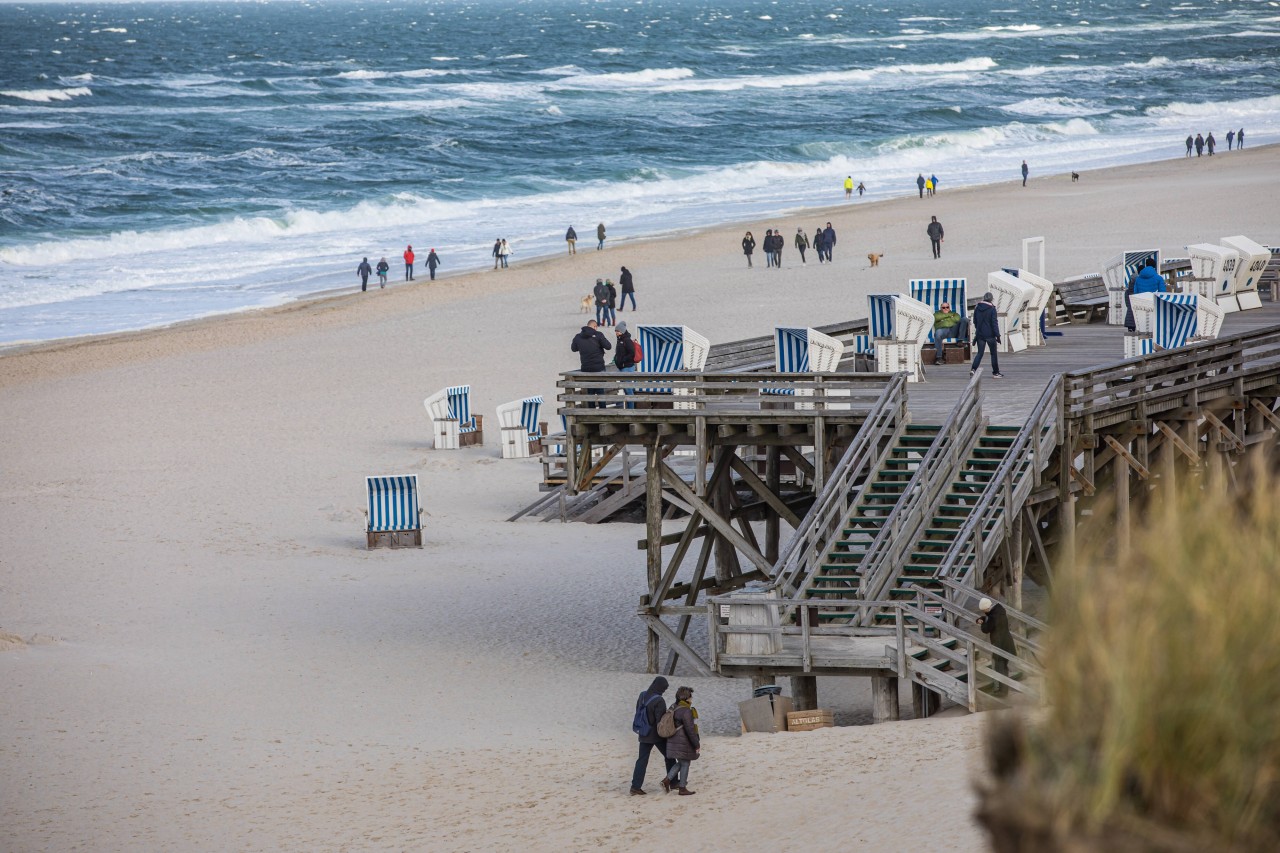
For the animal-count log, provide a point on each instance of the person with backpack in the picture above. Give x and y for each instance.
(683, 743)
(650, 708)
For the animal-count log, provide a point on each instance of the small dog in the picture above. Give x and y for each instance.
(586, 304)
(875, 258)
(1075, 176)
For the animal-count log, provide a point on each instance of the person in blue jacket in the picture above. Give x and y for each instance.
(986, 333)
(1146, 280)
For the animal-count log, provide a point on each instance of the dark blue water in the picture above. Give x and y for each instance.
(161, 161)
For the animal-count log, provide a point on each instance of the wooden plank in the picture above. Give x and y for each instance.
(722, 525)
(1176, 441)
(660, 628)
(1129, 458)
(758, 486)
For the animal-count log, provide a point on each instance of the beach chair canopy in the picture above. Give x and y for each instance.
(453, 402)
(805, 350)
(1209, 260)
(522, 413)
(669, 349)
(1174, 318)
(393, 503)
(1012, 296)
(935, 291)
(1042, 289)
(1253, 260)
(1125, 266)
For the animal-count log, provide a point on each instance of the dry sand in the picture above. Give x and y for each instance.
(198, 653)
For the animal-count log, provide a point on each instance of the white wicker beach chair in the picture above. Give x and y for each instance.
(452, 422)
(1116, 274)
(1253, 261)
(521, 431)
(1041, 299)
(1012, 299)
(1215, 266)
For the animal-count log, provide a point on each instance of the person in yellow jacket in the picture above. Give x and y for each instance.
(848, 187)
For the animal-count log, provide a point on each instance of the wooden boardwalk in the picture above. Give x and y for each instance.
(1008, 401)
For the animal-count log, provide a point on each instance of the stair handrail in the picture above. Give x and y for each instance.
(1017, 619)
(911, 514)
(1019, 472)
(808, 543)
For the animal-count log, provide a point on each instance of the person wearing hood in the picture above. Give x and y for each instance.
(920, 183)
(364, 271)
(1199, 145)
(408, 263)
(611, 305)
(820, 243)
(433, 261)
(571, 237)
(383, 269)
(768, 247)
(591, 346)
(986, 333)
(748, 246)
(684, 746)
(828, 240)
(601, 293)
(933, 184)
(1210, 143)
(624, 356)
(802, 243)
(628, 289)
(995, 621)
(654, 707)
(1190, 143)
(935, 236)
(1146, 280)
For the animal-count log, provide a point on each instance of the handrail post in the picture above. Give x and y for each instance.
(973, 676)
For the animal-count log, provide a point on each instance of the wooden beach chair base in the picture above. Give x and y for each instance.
(394, 538)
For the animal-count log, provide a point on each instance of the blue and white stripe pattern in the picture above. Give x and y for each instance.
(460, 407)
(879, 323)
(1135, 261)
(393, 503)
(530, 408)
(1176, 319)
(663, 348)
(935, 291)
(791, 350)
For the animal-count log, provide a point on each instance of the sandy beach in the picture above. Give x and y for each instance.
(199, 653)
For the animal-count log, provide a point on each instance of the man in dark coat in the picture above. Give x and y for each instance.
(768, 247)
(590, 346)
(1210, 143)
(935, 236)
(364, 271)
(655, 706)
(601, 293)
(920, 183)
(1199, 145)
(995, 621)
(571, 238)
(986, 333)
(828, 239)
(628, 289)
(433, 261)
(1190, 142)
(820, 243)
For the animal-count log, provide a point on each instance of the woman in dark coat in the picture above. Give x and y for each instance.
(820, 243)
(748, 246)
(628, 289)
(684, 745)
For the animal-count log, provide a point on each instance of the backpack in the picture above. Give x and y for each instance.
(638, 354)
(641, 725)
(667, 725)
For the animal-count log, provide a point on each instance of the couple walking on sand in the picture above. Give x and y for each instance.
(674, 731)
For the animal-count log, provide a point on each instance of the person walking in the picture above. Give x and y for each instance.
(433, 261)
(995, 621)
(1240, 139)
(504, 252)
(779, 243)
(748, 246)
(684, 746)
(861, 189)
(828, 240)
(802, 243)
(383, 269)
(601, 293)
(408, 264)
(848, 187)
(986, 333)
(364, 271)
(1191, 141)
(933, 184)
(650, 707)
(600, 237)
(628, 289)
(1199, 145)
(1025, 172)
(768, 247)
(497, 250)
(571, 237)
(820, 244)
(934, 230)
(611, 304)
(591, 345)
(920, 183)
(1210, 142)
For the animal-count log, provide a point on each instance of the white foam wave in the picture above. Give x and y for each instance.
(627, 78)
(113, 30)
(1055, 107)
(1015, 28)
(515, 56)
(76, 79)
(1245, 34)
(413, 73)
(44, 96)
(1268, 105)
(609, 51)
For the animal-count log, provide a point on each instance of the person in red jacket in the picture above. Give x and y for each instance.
(408, 264)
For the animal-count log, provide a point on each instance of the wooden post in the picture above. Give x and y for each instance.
(653, 531)
(758, 681)
(884, 699)
(727, 564)
(772, 479)
(804, 692)
(924, 702)
(1124, 534)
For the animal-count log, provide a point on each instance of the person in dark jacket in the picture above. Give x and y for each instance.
(571, 237)
(600, 237)
(628, 289)
(611, 303)
(820, 243)
(1199, 145)
(383, 269)
(655, 706)
(986, 333)
(779, 243)
(1231, 135)
(748, 246)
(935, 236)
(1145, 280)
(683, 746)
(590, 346)
(828, 240)
(601, 293)
(802, 243)
(920, 183)
(364, 271)
(1240, 139)
(433, 261)
(1209, 143)
(1190, 143)
(497, 252)
(768, 247)
(1025, 172)
(995, 621)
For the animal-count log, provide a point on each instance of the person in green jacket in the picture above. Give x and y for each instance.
(946, 324)
(802, 242)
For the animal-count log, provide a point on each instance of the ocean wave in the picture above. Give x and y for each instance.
(1243, 34)
(76, 79)
(1268, 106)
(1058, 106)
(609, 51)
(627, 78)
(367, 74)
(45, 96)
(1014, 28)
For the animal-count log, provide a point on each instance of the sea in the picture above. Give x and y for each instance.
(161, 161)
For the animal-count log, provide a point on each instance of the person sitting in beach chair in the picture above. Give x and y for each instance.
(947, 325)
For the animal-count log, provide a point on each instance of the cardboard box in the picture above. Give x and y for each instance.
(807, 721)
(765, 713)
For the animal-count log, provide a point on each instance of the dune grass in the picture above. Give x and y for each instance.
(1161, 729)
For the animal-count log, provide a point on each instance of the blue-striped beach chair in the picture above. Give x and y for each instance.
(1117, 273)
(453, 423)
(1253, 262)
(393, 517)
(1166, 321)
(520, 429)
(900, 326)
(879, 324)
(671, 349)
(1033, 319)
(804, 350)
(1215, 268)
(935, 291)
(1012, 297)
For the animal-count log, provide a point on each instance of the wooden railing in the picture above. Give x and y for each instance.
(810, 542)
(914, 512)
(758, 353)
(1006, 492)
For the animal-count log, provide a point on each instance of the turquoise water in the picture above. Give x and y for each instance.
(162, 161)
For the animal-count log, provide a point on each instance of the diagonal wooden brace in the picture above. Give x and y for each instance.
(1225, 432)
(1172, 436)
(1123, 453)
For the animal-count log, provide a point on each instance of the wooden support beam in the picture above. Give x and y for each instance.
(660, 628)
(1227, 434)
(605, 459)
(1031, 524)
(653, 528)
(797, 459)
(1079, 477)
(773, 482)
(691, 598)
(1267, 415)
(753, 481)
(804, 692)
(1176, 441)
(884, 699)
(1132, 461)
(1124, 533)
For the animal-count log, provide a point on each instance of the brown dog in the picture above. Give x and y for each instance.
(586, 304)
(875, 259)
